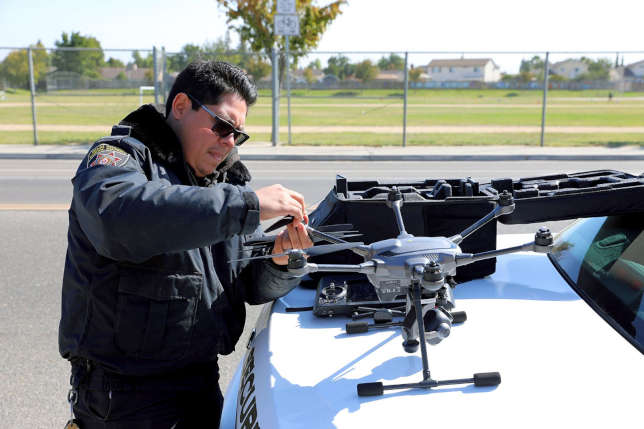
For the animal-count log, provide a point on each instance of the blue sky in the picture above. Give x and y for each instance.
(365, 25)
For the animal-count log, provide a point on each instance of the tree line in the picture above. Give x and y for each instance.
(14, 69)
(533, 69)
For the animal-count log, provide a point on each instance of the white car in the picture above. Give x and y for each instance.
(565, 331)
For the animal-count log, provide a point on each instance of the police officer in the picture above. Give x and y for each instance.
(150, 297)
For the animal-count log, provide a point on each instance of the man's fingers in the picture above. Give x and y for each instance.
(277, 246)
(305, 239)
(294, 236)
(300, 199)
(276, 200)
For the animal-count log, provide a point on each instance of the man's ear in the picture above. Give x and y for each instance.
(180, 105)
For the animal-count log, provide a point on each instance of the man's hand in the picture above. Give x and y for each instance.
(276, 200)
(293, 237)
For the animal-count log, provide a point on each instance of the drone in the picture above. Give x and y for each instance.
(420, 268)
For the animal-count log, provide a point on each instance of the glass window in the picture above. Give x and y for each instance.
(476, 69)
(603, 259)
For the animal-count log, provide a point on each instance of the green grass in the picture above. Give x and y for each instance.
(48, 137)
(361, 108)
(108, 114)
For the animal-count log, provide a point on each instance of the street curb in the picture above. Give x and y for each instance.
(372, 157)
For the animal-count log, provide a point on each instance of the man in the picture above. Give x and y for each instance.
(150, 295)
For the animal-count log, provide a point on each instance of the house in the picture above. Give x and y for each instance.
(464, 69)
(636, 69)
(570, 68)
(391, 75)
(131, 72)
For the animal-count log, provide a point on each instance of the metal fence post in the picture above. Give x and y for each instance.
(32, 87)
(404, 142)
(275, 132)
(163, 73)
(288, 89)
(546, 70)
(155, 71)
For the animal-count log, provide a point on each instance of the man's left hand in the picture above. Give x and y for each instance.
(293, 237)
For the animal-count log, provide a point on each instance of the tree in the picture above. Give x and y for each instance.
(415, 73)
(340, 67)
(113, 62)
(188, 54)
(141, 62)
(534, 64)
(315, 65)
(597, 69)
(308, 75)
(83, 62)
(366, 71)
(15, 67)
(253, 21)
(256, 67)
(121, 76)
(532, 69)
(393, 62)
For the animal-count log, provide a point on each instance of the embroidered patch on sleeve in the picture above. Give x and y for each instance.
(105, 154)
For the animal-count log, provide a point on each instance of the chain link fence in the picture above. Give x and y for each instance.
(72, 95)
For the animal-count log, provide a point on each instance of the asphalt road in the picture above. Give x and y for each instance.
(33, 222)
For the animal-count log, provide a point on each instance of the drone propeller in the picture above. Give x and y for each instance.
(311, 251)
(280, 223)
(323, 228)
(268, 240)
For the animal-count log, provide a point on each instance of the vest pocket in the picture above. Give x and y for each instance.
(156, 313)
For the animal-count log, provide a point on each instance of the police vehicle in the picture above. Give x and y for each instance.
(431, 319)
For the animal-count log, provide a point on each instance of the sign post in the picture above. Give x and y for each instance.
(287, 23)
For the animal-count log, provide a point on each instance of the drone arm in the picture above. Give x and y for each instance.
(368, 267)
(468, 258)
(542, 244)
(505, 206)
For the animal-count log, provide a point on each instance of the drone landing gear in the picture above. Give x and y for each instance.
(481, 379)
(377, 388)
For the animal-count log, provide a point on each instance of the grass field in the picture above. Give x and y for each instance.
(326, 117)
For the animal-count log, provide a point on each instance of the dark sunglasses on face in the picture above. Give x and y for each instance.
(222, 127)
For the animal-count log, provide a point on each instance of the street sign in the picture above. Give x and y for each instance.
(285, 7)
(287, 25)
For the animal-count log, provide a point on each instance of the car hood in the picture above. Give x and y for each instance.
(561, 365)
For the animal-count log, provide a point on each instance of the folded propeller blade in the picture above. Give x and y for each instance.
(311, 251)
(280, 223)
(268, 240)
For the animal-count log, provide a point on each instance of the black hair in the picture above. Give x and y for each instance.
(207, 81)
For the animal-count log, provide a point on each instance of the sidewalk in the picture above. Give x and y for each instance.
(264, 151)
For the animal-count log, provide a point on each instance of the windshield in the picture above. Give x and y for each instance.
(603, 259)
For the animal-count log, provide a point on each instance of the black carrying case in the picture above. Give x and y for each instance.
(571, 196)
(438, 207)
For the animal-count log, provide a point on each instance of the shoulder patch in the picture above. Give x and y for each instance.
(105, 154)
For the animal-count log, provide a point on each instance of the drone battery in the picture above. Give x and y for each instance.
(343, 294)
(441, 207)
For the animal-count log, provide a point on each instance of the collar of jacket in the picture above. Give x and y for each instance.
(150, 128)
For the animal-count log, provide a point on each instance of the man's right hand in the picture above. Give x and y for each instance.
(276, 200)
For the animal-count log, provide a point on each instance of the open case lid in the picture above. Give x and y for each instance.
(570, 196)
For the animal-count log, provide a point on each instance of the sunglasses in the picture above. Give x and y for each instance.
(222, 127)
